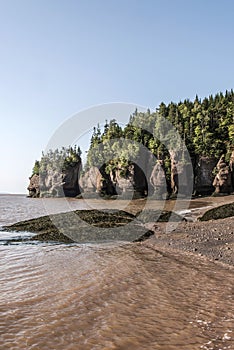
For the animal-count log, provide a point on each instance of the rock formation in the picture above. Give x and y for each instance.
(204, 175)
(84, 226)
(231, 165)
(136, 180)
(181, 173)
(55, 183)
(130, 181)
(34, 186)
(51, 184)
(96, 181)
(91, 181)
(223, 178)
(158, 180)
(123, 180)
(71, 180)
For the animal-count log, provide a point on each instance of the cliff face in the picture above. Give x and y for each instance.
(231, 165)
(123, 180)
(120, 181)
(91, 181)
(223, 178)
(204, 175)
(70, 181)
(53, 183)
(34, 186)
(96, 181)
(181, 174)
(158, 180)
(132, 180)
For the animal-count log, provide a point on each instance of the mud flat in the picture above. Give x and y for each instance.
(211, 235)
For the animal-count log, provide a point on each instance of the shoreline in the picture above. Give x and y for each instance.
(213, 239)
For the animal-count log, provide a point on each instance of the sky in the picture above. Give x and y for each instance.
(59, 57)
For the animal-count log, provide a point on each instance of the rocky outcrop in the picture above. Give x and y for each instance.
(221, 212)
(137, 180)
(129, 181)
(96, 182)
(158, 180)
(55, 183)
(181, 173)
(123, 180)
(204, 175)
(231, 165)
(34, 186)
(83, 226)
(71, 181)
(223, 178)
(51, 184)
(91, 181)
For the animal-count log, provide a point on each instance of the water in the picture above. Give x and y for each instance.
(109, 296)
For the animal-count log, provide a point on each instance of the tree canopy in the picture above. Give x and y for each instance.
(205, 126)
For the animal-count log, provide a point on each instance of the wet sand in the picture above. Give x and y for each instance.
(213, 239)
(150, 295)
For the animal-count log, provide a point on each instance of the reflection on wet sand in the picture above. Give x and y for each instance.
(110, 296)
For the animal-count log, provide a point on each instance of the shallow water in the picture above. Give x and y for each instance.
(109, 296)
(15, 208)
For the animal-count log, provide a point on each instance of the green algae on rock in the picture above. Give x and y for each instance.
(84, 226)
(221, 212)
(151, 215)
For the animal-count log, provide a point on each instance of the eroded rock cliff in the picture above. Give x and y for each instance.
(223, 179)
(54, 183)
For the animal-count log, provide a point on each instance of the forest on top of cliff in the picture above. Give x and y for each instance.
(206, 127)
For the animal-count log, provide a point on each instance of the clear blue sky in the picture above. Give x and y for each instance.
(60, 56)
